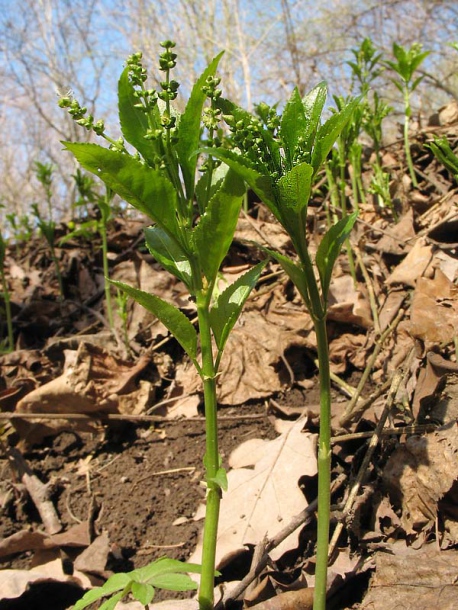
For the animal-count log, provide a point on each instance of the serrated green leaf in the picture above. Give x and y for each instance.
(329, 250)
(295, 186)
(225, 312)
(329, 132)
(204, 190)
(213, 235)
(172, 318)
(168, 253)
(141, 186)
(313, 104)
(293, 125)
(142, 592)
(261, 184)
(189, 128)
(133, 121)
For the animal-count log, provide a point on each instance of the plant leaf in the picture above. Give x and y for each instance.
(220, 478)
(225, 312)
(175, 582)
(261, 184)
(133, 121)
(141, 186)
(172, 318)
(168, 253)
(313, 104)
(295, 186)
(111, 603)
(164, 565)
(113, 584)
(142, 592)
(213, 235)
(329, 132)
(329, 250)
(293, 125)
(189, 129)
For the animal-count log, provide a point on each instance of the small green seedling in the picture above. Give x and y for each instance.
(194, 223)
(443, 152)
(141, 584)
(280, 165)
(6, 296)
(407, 63)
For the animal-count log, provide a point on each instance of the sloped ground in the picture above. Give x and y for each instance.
(103, 435)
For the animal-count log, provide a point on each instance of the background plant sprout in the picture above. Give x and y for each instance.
(406, 64)
(279, 159)
(6, 296)
(194, 223)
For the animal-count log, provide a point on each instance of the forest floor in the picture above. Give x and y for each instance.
(103, 438)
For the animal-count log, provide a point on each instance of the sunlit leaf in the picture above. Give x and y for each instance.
(171, 317)
(329, 249)
(213, 235)
(142, 592)
(226, 310)
(141, 186)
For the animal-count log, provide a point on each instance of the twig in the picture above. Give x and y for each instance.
(160, 473)
(374, 441)
(268, 545)
(38, 491)
(348, 415)
(413, 429)
(120, 416)
(370, 289)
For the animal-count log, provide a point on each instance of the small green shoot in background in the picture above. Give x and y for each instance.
(9, 342)
(407, 63)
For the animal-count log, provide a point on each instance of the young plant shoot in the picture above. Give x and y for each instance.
(406, 64)
(194, 223)
(279, 158)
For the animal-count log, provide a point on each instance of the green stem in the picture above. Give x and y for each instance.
(106, 273)
(9, 319)
(324, 466)
(406, 139)
(211, 455)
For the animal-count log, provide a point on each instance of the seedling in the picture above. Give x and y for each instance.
(194, 223)
(444, 153)
(280, 165)
(163, 573)
(406, 64)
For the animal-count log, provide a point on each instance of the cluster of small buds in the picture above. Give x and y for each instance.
(78, 113)
(137, 72)
(268, 115)
(212, 115)
(167, 59)
(169, 90)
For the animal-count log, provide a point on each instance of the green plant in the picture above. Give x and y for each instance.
(444, 153)
(6, 296)
(194, 222)
(406, 64)
(163, 573)
(280, 165)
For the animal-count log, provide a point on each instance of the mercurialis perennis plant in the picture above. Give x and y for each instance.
(155, 167)
(279, 158)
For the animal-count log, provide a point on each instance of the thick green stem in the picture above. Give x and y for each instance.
(211, 456)
(324, 466)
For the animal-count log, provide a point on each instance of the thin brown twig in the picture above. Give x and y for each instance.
(374, 441)
(348, 414)
(268, 545)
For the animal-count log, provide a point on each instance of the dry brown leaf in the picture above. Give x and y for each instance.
(262, 500)
(419, 473)
(413, 266)
(434, 310)
(416, 580)
(348, 304)
(302, 599)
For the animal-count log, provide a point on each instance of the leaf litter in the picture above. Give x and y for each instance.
(119, 484)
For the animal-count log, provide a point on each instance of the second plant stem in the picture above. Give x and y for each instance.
(211, 455)
(324, 466)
